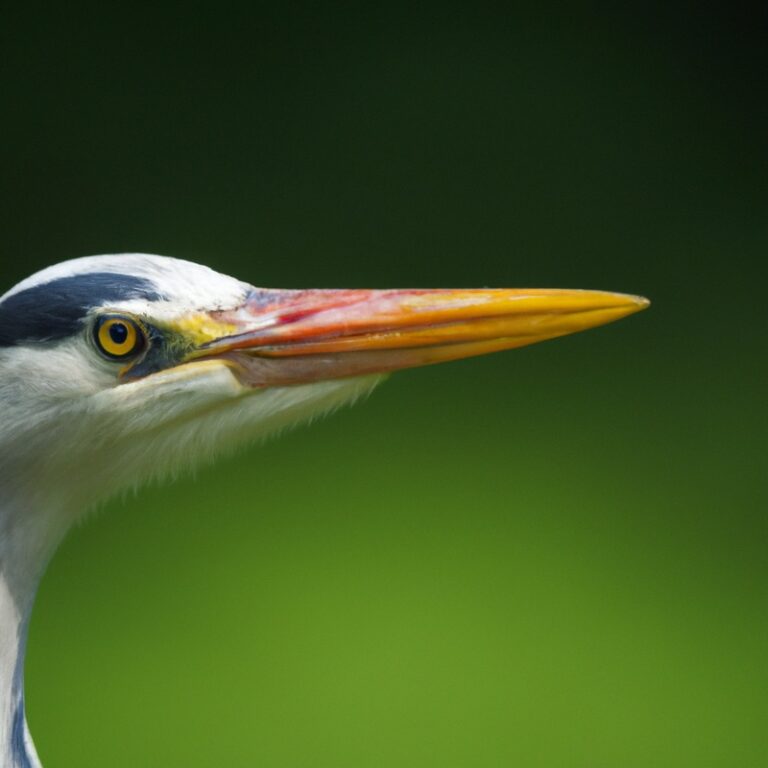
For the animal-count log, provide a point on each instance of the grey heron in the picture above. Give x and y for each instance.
(115, 369)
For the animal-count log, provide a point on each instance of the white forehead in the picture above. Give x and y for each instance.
(185, 285)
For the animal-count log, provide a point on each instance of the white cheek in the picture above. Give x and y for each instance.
(178, 393)
(60, 371)
(45, 391)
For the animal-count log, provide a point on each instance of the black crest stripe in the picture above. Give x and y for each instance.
(56, 309)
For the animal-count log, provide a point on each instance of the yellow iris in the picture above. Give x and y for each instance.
(119, 337)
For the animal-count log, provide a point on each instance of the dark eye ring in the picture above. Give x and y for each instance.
(119, 337)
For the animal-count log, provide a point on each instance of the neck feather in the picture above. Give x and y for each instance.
(16, 748)
(28, 536)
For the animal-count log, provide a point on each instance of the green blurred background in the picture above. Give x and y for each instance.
(549, 557)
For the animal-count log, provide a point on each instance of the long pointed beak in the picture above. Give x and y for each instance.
(290, 337)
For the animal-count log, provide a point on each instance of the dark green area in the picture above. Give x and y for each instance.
(549, 557)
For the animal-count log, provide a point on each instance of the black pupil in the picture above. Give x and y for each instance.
(118, 332)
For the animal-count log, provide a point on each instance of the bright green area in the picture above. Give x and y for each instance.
(554, 557)
(484, 565)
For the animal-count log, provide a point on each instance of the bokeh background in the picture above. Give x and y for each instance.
(550, 557)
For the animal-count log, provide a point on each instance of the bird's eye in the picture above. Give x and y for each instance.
(119, 337)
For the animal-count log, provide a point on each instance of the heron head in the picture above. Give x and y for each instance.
(117, 368)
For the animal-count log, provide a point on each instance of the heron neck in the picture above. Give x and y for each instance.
(26, 543)
(16, 748)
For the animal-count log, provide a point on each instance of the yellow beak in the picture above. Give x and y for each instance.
(290, 337)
